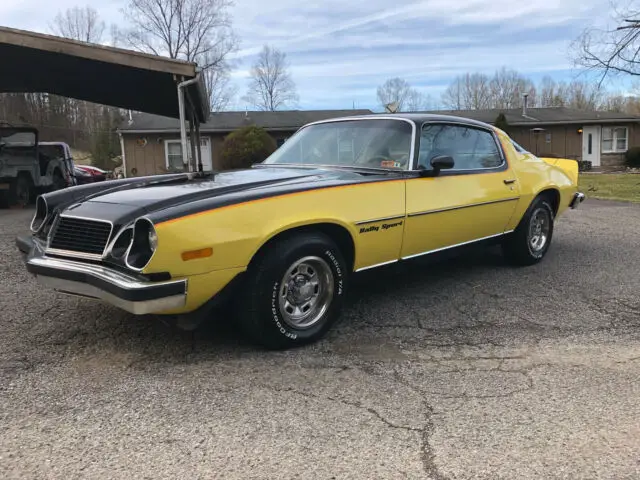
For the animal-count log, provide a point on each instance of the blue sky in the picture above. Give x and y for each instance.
(341, 50)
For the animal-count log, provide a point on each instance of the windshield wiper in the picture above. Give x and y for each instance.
(380, 171)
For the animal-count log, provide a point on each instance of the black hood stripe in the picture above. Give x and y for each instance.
(181, 212)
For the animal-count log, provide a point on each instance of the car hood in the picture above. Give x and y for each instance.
(154, 196)
(163, 198)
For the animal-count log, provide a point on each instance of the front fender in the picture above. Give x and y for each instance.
(236, 232)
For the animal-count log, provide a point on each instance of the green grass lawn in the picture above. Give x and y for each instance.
(614, 186)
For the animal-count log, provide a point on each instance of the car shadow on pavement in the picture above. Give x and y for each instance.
(378, 289)
(390, 295)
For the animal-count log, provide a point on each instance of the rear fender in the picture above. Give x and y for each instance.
(568, 166)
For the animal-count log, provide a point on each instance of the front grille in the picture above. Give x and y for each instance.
(80, 235)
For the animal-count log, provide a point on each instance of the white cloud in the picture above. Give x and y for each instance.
(341, 50)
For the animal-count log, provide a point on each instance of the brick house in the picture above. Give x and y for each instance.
(600, 137)
(151, 143)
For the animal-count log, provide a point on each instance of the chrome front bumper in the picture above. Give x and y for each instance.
(577, 199)
(120, 289)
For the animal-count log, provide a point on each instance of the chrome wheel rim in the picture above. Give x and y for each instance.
(539, 228)
(305, 292)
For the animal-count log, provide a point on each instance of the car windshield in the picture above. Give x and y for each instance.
(374, 143)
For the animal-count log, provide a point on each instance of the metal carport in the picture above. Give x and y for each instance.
(33, 62)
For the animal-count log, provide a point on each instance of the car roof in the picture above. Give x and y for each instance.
(417, 118)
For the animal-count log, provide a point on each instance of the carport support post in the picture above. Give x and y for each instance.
(183, 116)
(183, 129)
(193, 145)
(199, 149)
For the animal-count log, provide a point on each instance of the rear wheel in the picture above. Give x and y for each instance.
(294, 291)
(530, 241)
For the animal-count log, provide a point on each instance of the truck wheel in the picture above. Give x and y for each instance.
(20, 191)
(529, 243)
(294, 291)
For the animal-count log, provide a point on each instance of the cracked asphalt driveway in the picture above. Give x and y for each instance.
(464, 369)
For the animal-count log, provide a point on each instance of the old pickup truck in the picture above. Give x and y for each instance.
(28, 168)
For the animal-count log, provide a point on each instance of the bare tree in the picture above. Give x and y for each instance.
(612, 51)
(184, 29)
(582, 95)
(221, 91)
(396, 91)
(470, 91)
(549, 94)
(452, 96)
(271, 86)
(193, 30)
(79, 23)
(415, 101)
(399, 95)
(507, 88)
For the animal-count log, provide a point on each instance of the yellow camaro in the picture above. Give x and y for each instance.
(282, 238)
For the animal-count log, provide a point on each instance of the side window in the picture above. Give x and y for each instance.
(471, 148)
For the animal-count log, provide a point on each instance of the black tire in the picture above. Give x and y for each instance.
(20, 191)
(58, 181)
(520, 247)
(260, 307)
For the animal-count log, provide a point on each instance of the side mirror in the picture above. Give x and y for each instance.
(442, 162)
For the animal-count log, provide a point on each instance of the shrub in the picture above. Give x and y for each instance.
(632, 157)
(584, 165)
(246, 146)
(501, 122)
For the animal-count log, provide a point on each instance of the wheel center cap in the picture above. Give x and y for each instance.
(301, 290)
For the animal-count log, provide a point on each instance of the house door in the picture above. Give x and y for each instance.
(591, 145)
(205, 153)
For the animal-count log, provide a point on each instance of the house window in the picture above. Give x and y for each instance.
(173, 155)
(614, 139)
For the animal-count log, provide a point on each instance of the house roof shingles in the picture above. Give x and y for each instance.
(229, 121)
(542, 116)
(287, 120)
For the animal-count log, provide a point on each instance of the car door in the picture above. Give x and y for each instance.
(472, 201)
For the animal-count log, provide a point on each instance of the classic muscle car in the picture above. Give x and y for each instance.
(281, 239)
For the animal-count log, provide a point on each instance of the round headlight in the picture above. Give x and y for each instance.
(153, 239)
(143, 244)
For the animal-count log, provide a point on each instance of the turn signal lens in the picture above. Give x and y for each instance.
(193, 254)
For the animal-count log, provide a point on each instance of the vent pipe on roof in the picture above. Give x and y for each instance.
(524, 105)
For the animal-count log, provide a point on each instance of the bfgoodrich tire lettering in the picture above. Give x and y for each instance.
(294, 291)
(530, 241)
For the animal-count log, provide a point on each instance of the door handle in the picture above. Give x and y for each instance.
(509, 181)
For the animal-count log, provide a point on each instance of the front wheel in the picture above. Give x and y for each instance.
(530, 241)
(294, 291)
